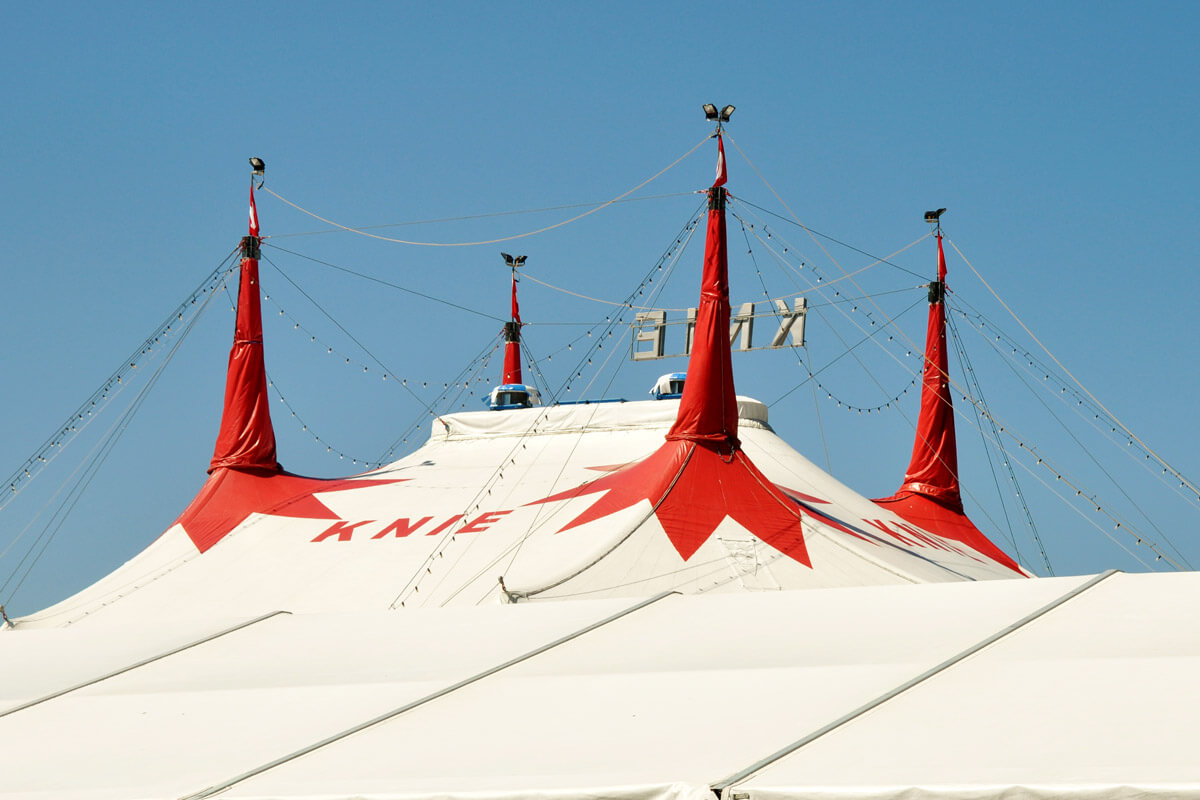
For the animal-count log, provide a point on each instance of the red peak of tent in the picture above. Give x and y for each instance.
(708, 408)
(512, 340)
(246, 438)
(933, 470)
(693, 488)
(930, 497)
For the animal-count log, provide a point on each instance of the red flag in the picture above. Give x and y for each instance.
(253, 214)
(516, 311)
(722, 175)
(941, 259)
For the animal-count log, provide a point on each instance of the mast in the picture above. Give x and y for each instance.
(246, 438)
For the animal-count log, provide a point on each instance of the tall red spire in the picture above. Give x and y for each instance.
(929, 496)
(699, 475)
(247, 438)
(708, 408)
(512, 338)
(933, 470)
(244, 477)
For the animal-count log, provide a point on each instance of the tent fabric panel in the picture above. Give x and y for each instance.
(667, 791)
(1088, 701)
(52, 663)
(978, 791)
(166, 554)
(688, 689)
(659, 704)
(272, 562)
(180, 724)
(655, 416)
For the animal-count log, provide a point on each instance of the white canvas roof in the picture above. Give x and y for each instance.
(495, 467)
(668, 698)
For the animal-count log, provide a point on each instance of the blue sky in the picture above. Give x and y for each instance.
(1060, 136)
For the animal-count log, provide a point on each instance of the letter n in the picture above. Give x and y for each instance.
(341, 529)
(401, 527)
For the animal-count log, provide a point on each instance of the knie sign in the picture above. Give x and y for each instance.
(650, 329)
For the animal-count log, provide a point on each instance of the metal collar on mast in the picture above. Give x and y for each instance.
(937, 289)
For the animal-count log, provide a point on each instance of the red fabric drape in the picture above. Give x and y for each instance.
(246, 437)
(708, 408)
(933, 470)
(930, 497)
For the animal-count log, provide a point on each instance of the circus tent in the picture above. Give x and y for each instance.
(598, 599)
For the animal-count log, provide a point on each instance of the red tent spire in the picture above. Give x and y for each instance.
(700, 475)
(246, 438)
(708, 409)
(929, 496)
(933, 470)
(512, 334)
(244, 477)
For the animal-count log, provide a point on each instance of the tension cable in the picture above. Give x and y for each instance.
(576, 218)
(100, 398)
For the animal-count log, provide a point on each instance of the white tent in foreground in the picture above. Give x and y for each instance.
(641, 600)
(1092, 693)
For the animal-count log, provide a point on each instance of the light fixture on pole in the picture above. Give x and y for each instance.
(258, 167)
(720, 117)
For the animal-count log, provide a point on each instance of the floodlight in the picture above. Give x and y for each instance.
(710, 111)
(258, 165)
(933, 217)
(726, 112)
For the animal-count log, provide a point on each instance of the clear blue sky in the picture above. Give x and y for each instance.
(1061, 137)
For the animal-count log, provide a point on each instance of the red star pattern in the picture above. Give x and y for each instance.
(692, 489)
(232, 495)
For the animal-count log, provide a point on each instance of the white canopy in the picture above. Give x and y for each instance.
(500, 478)
(666, 697)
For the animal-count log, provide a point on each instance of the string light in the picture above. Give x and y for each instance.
(108, 391)
(992, 334)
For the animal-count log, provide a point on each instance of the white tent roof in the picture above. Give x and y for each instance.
(1093, 698)
(496, 467)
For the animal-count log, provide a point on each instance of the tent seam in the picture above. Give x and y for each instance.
(222, 786)
(140, 664)
(720, 786)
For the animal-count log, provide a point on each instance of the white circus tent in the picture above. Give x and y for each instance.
(595, 600)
